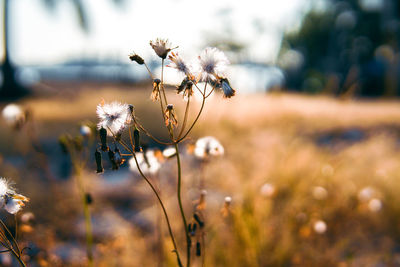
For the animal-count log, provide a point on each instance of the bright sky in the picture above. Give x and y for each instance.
(43, 37)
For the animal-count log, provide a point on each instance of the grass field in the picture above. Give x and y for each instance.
(314, 181)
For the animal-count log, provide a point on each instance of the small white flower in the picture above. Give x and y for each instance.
(113, 117)
(208, 146)
(149, 163)
(178, 63)
(228, 199)
(375, 205)
(211, 64)
(319, 193)
(161, 47)
(267, 190)
(13, 114)
(320, 227)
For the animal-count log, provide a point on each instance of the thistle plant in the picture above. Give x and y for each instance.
(120, 129)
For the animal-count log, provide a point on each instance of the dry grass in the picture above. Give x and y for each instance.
(293, 142)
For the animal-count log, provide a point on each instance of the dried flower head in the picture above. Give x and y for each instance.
(178, 63)
(136, 58)
(114, 117)
(170, 117)
(211, 64)
(208, 146)
(224, 85)
(13, 114)
(149, 162)
(155, 94)
(9, 199)
(161, 47)
(186, 87)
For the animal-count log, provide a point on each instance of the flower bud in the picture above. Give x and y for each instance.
(103, 139)
(112, 160)
(198, 249)
(136, 139)
(99, 164)
(134, 57)
(198, 220)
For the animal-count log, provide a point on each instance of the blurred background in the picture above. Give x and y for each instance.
(311, 139)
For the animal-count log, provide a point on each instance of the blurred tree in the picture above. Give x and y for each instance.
(350, 47)
(11, 88)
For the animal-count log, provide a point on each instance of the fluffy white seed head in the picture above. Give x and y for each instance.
(211, 64)
(208, 146)
(320, 227)
(113, 117)
(169, 152)
(12, 113)
(148, 165)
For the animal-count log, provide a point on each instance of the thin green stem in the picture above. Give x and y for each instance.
(179, 184)
(194, 122)
(185, 117)
(162, 207)
(87, 215)
(162, 82)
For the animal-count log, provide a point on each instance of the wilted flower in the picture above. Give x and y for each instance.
(155, 94)
(226, 88)
(375, 205)
(267, 190)
(149, 162)
(113, 117)
(208, 146)
(320, 227)
(13, 114)
(136, 58)
(9, 199)
(319, 192)
(170, 117)
(161, 47)
(211, 64)
(178, 63)
(186, 87)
